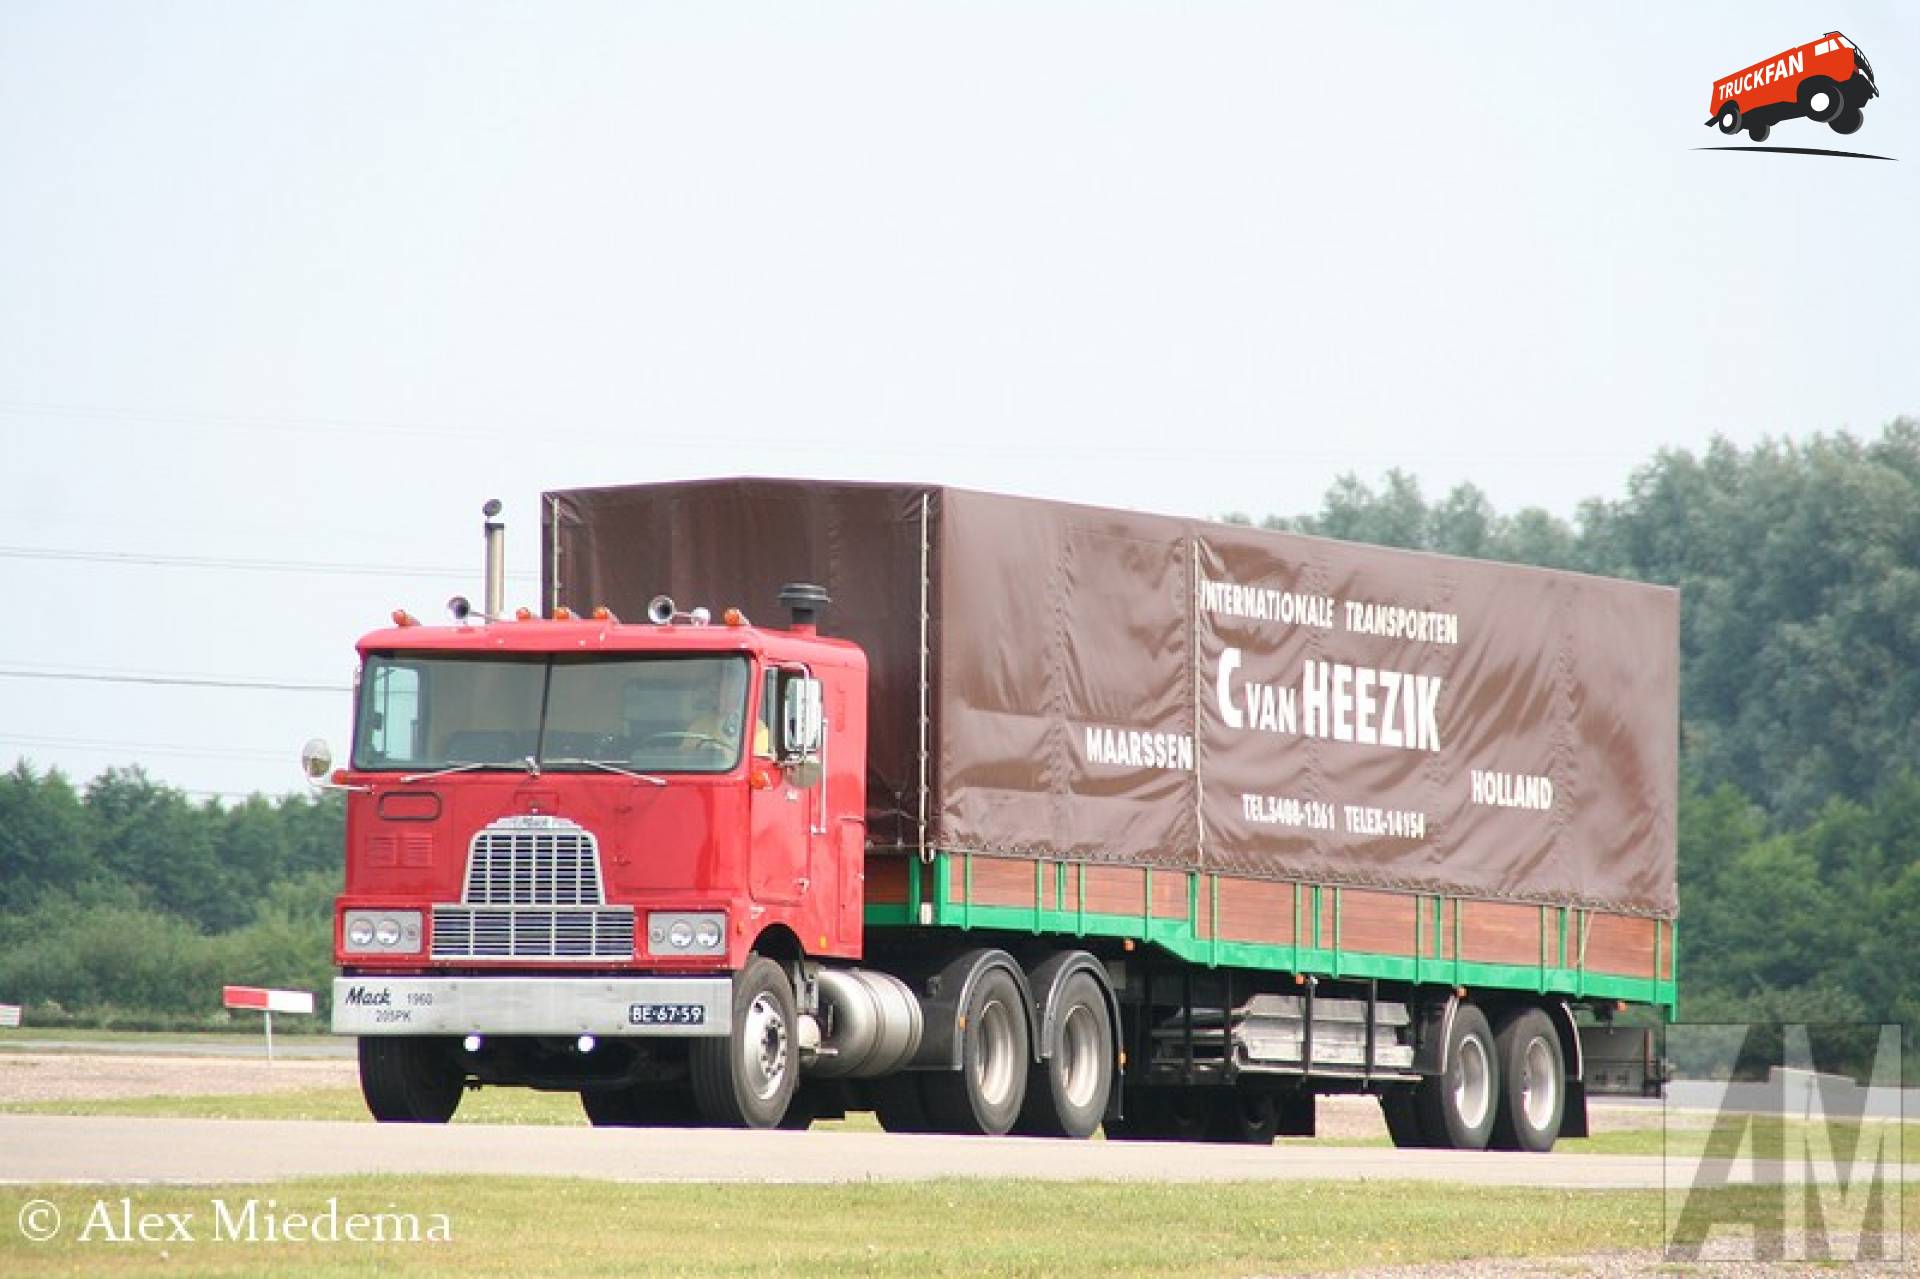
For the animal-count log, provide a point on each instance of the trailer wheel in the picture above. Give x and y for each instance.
(1759, 132)
(1067, 1093)
(746, 1079)
(1729, 119)
(1457, 1107)
(1533, 1091)
(1403, 1119)
(1848, 121)
(1244, 1118)
(1821, 99)
(409, 1080)
(1165, 1114)
(985, 1094)
(636, 1107)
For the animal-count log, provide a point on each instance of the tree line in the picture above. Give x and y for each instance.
(125, 903)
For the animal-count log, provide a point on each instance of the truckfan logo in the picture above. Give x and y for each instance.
(1827, 81)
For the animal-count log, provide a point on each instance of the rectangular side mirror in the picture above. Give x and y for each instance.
(802, 720)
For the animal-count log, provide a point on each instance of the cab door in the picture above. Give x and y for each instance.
(780, 863)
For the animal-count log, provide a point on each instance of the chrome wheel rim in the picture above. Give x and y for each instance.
(765, 1037)
(993, 1058)
(1472, 1083)
(1079, 1050)
(1539, 1085)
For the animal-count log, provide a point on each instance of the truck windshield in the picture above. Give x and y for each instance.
(420, 712)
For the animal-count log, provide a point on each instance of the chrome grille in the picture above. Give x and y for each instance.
(549, 865)
(533, 891)
(487, 932)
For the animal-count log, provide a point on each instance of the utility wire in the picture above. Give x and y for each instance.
(227, 562)
(144, 748)
(182, 681)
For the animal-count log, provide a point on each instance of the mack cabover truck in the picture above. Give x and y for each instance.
(989, 814)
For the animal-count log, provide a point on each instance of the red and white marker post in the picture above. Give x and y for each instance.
(260, 999)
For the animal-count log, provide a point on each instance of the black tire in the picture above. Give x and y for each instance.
(1759, 132)
(746, 1079)
(1457, 1108)
(985, 1095)
(1848, 121)
(1833, 101)
(1533, 1088)
(1403, 1119)
(1166, 1114)
(410, 1080)
(1067, 1093)
(1729, 119)
(1244, 1118)
(636, 1107)
(898, 1105)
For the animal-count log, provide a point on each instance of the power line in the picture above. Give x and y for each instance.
(228, 562)
(183, 681)
(145, 748)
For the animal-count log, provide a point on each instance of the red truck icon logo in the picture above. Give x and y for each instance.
(1828, 80)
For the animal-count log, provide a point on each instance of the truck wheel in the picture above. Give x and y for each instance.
(408, 1080)
(1729, 119)
(1533, 1091)
(1457, 1108)
(1820, 98)
(1244, 1118)
(1403, 1119)
(1848, 121)
(1759, 132)
(635, 1107)
(1067, 1093)
(985, 1094)
(898, 1105)
(746, 1079)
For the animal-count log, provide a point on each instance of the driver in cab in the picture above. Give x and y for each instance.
(694, 722)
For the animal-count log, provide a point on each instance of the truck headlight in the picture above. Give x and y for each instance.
(686, 933)
(376, 932)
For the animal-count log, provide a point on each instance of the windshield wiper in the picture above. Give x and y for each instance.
(607, 767)
(468, 767)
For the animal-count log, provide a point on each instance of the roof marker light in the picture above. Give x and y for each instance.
(601, 613)
(734, 617)
(403, 618)
(523, 614)
(561, 613)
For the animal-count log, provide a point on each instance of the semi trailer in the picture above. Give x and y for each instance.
(990, 814)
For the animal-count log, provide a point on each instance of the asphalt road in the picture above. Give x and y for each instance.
(46, 1148)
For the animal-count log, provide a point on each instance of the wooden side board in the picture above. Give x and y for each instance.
(1272, 913)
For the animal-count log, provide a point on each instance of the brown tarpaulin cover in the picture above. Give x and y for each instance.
(1116, 687)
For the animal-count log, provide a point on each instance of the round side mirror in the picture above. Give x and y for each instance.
(316, 759)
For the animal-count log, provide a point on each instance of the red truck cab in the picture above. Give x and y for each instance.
(534, 800)
(1828, 80)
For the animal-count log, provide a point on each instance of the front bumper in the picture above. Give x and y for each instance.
(675, 1007)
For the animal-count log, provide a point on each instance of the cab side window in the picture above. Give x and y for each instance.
(763, 734)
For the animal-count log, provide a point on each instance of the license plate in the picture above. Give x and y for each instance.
(666, 1014)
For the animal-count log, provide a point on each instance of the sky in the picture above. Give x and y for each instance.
(287, 291)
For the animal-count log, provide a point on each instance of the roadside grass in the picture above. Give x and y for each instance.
(505, 1225)
(524, 1106)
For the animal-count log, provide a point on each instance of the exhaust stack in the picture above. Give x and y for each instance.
(496, 583)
